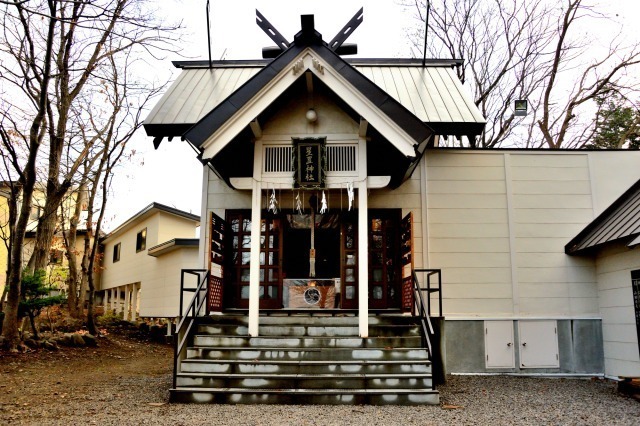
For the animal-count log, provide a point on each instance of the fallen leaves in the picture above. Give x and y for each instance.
(451, 407)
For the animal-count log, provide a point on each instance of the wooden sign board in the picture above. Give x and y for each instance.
(309, 162)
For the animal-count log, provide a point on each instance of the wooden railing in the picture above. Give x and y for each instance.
(190, 314)
(422, 311)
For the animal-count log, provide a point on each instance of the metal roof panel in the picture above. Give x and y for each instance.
(433, 93)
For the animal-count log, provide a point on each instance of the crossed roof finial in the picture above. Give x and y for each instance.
(308, 33)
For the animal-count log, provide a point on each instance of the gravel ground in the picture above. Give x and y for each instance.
(126, 382)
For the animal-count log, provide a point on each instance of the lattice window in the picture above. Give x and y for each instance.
(277, 159)
(340, 158)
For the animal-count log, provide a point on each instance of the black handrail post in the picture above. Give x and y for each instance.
(429, 293)
(195, 305)
(440, 293)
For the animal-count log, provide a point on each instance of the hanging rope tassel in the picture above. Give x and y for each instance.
(273, 202)
(350, 194)
(323, 204)
(298, 204)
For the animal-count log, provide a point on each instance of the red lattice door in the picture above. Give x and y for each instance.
(217, 229)
(406, 251)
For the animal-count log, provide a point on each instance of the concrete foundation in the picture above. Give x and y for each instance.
(580, 348)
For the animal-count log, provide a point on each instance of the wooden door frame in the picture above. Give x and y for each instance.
(233, 281)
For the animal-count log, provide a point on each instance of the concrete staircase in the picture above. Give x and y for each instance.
(306, 359)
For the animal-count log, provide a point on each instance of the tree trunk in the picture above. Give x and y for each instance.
(44, 234)
(75, 294)
(32, 321)
(10, 326)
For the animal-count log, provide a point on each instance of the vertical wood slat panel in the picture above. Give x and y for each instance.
(340, 158)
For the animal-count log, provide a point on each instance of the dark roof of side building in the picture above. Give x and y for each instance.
(619, 222)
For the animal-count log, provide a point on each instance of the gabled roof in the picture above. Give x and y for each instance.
(309, 53)
(432, 93)
(619, 222)
(213, 107)
(148, 211)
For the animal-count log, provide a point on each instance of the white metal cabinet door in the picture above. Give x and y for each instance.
(538, 344)
(498, 344)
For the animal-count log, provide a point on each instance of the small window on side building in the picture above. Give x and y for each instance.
(116, 253)
(141, 240)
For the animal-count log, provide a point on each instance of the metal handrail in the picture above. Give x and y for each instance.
(195, 306)
(422, 310)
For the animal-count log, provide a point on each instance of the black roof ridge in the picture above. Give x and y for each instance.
(259, 63)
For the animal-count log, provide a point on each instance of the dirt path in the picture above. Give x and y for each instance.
(46, 386)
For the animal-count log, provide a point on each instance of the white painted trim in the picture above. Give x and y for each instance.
(127, 302)
(515, 289)
(363, 262)
(204, 219)
(249, 111)
(363, 242)
(367, 110)
(424, 190)
(254, 269)
(246, 183)
(286, 138)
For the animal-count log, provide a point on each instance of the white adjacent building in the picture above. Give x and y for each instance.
(143, 259)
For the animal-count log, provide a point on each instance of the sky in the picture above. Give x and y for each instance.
(172, 175)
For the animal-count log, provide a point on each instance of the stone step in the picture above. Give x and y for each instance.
(306, 354)
(305, 367)
(305, 396)
(308, 319)
(309, 330)
(305, 381)
(307, 342)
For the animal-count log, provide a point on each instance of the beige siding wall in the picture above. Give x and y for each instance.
(614, 266)
(498, 223)
(133, 267)
(160, 295)
(468, 231)
(551, 204)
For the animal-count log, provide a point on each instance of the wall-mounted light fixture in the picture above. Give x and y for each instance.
(520, 107)
(311, 115)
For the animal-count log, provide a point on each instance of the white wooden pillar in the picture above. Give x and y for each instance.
(254, 270)
(113, 306)
(127, 302)
(134, 302)
(363, 260)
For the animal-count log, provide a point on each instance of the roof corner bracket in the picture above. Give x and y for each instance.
(256, 129)
(156, 141)
(362, 129)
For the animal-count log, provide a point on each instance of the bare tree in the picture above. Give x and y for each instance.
(559, 114)
(526, 49)
(51, 51)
